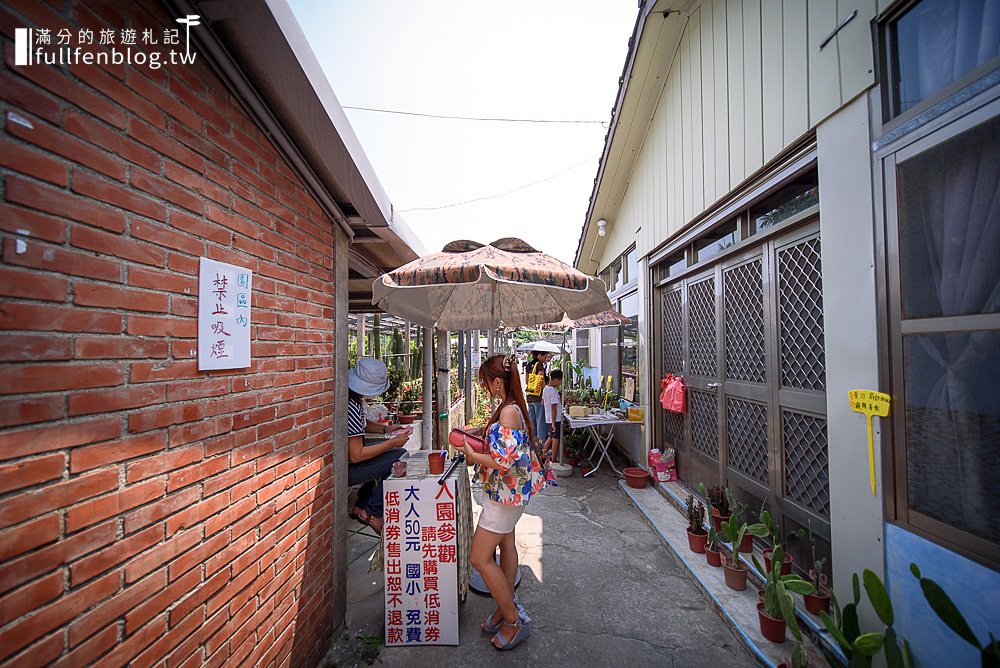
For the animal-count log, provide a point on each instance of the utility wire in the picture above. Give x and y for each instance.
(505, 193)
(475, 118)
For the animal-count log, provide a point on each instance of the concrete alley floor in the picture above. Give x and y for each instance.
(601, 588)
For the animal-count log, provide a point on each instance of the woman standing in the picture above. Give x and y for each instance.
(369, 464)
(536, 411)
(511, 474)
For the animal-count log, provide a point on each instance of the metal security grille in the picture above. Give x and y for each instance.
(673, 333)
(744, 313)
(673, 428)
(704, 422)
(806, 461)
(746, 424)
(701, 340)
(748, 331)
(800, 315)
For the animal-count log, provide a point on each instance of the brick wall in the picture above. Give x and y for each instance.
(151, 514)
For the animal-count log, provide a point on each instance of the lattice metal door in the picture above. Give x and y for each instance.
(748, 336)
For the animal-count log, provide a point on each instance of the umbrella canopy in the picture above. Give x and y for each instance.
(471, 286)
(603, 319)
(541, 346)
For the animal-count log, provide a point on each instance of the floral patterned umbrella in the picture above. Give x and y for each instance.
(603, 319)
(471, 286)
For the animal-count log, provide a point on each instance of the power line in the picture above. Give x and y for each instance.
(505, 193)
(475, 118)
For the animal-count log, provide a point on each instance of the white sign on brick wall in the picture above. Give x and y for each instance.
(421, 562)
(224, 292)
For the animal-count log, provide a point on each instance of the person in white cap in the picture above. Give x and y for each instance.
(369, 465)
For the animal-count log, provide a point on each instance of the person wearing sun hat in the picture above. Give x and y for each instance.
(369, 465)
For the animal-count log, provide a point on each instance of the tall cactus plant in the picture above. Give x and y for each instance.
(859, 648)
(397, 348)
(416, 360)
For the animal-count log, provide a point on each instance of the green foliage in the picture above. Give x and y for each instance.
(774, 530)
(416, 359)
(733, 532)
(778, 585)
(713, 540)
(858, 647)
(574, 442)
(878, 596)
(718, 497)
(410, 396)
(948, 612)
(397, 350)
(396, 376)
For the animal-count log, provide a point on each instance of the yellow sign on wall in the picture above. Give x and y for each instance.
(870, 403)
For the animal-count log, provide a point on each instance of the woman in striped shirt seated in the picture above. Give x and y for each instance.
(369, 465)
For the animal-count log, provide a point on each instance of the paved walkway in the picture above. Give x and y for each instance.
(602, 589)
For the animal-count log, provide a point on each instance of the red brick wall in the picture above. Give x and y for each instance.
(151, 514)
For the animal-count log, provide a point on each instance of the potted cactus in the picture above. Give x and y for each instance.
(735, 570)
(697, 536)
(778, 608)
(718, 499)
(713, 552)
(409, 396)
(819, 600)
(774, 530)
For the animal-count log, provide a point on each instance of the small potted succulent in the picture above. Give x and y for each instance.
(733, 533)
(778, 608)
(697, 536)
(819, 600)
(713, 551)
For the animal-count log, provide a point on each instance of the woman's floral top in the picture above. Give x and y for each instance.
(520, 474)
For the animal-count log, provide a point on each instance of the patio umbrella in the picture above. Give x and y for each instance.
(471, 286)
(603, 319)
(541, 346)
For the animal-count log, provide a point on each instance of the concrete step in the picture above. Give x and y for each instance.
(738, 609)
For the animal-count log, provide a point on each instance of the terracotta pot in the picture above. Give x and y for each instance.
(746, 546)
(818, 602)
(718, 519)
(435, 464)
(584, 469)
(713, 557)
(696, 541)
(407, 419)
(786, 563)
(636, 477)
(771, 628)
(736, 576)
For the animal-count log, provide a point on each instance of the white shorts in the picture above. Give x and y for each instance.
(497, 517)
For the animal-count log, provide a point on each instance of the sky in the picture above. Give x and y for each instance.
(523, 59)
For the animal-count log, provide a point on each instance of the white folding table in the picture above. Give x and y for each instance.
(600, 428)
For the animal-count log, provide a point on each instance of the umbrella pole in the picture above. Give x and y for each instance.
(426, 419)
(562, 447)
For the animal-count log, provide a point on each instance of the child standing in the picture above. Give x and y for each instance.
(553, 414)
